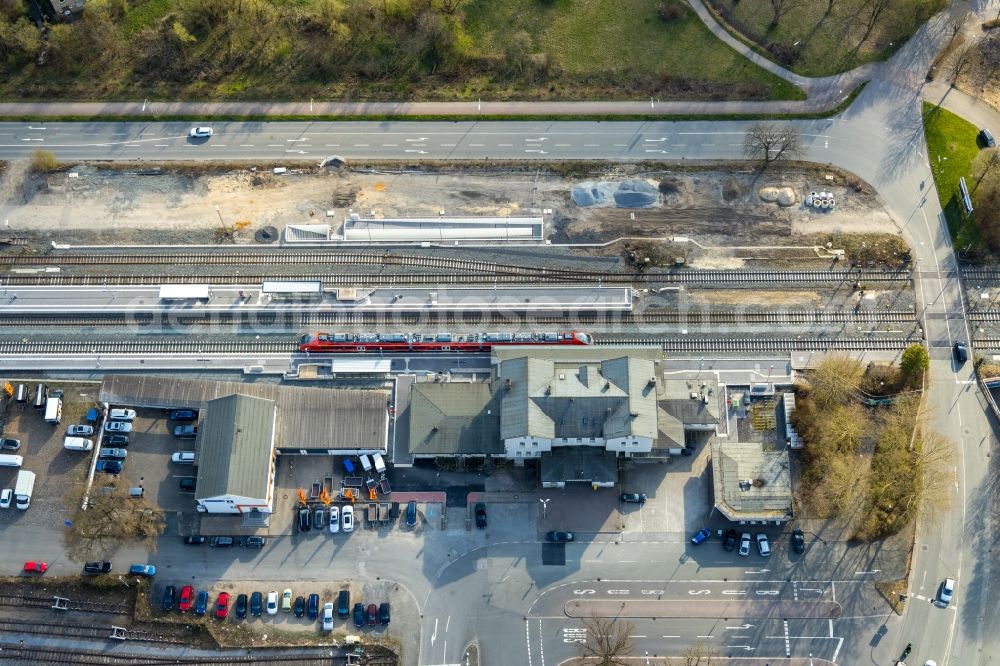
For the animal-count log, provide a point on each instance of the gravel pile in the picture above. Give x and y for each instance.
(624, 194)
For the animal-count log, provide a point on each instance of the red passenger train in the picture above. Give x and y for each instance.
(400, 342)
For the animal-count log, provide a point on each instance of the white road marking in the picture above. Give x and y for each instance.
(788, 642)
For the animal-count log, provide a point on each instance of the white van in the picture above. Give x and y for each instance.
(8, 460)
(53, 410)
(78, 444)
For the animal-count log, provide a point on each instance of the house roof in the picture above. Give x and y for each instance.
(751, 483)
(236, 442)
(454, 418)
(579, 463)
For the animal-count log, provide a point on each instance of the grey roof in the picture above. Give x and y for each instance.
(735, 469)
(677, 409)
(606, 399)
(454, 418)
(579, 463)
(236, 440)
(308, 418)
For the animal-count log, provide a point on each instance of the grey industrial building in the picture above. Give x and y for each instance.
(751, 483)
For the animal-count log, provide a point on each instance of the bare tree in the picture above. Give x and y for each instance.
(111, 519)
(769, 142)
(608, 641)
(984, 164)
(834, 379)
(962, 61)
(830, 5)
(875, 10)
(698, 654)
(781, 7)
(934, 465)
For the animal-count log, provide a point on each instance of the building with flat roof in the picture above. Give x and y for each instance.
(751, 484)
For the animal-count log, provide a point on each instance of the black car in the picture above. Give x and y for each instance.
(961, 353)
(729, 542)
(195, 540)
(304, 520)
(169, 593)
(116, 440)
(252, 541)
(188, 484)
(798, 542)
(97, 567)
(481, 516)
(241, 606)
(383, 613)
(411, 513)
(183, 415)
(256, 604)
(633, 498)
(359, 614)
(344, 604)
(312, 609)
(560, 537)
(109, 466)
(300, 606)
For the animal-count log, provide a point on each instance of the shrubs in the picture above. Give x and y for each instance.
(671, 12)
(43, 161)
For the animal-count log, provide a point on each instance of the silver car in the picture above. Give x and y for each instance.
(946, 592)
(745, 544)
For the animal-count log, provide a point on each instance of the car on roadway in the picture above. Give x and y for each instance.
(182, 457)
(986, 137)
(305, 520)
(8, 444)
(383, 613)
(334, 520)
(35, 567)
(201, 604)
(97, 567)
(762, 545)
(109, 466)
(6, 497)
(186, 431)
(80, 430)
(122, 414)
(241, 606)
(312, 607)
(701, 535)
(195, 540)
(299, 609)
(272, 602)
(946, 592)
(411, 513)
(347, 519)
(633, 498)
(745, 544)
(183, 415)
(286, 600)
(344, 604)
(201, 132)
(372, 615)
(961, 352)
(481, 515)
(557, 536)
(222, 606)
(798, 542)
(169, 594)
(115, 440)
(729, 541)
(137, 569)
(359, 614)
(328, 616)
(186, 600)
(256, 604)
(118, 426)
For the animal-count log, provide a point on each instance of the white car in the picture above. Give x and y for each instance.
(183, 457)
(328, 616)
(745, 544)
(347, 519)
(334, 520)
(118, 426)
(80, 430)
(5, 498)
(763, 546)
(946, 592)
(200, 132)
(272, 603)
(122, 414)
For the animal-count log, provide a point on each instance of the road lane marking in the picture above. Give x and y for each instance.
(246, 145)
(527, 639)
(434, 634)
(788, 642)
(447, 624)
(541, 644)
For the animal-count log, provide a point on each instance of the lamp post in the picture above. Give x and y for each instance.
(545, 504)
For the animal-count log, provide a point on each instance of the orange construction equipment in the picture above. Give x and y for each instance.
(302, 498)
(372, 494)
(348, 494)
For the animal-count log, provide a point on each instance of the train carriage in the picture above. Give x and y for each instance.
(353, 343)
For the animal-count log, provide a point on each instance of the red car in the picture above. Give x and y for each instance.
(186, 600)
(35, 567)
(372, 614)
(222, 606)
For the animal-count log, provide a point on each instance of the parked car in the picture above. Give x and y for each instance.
(701, 535)
(241, 606)
(272, 603)
(481, 515)
(328, 616)
(35, 567)
(142, 570)
(763, 546)
(344, 604)
(118, 426)
(186, 600)
(200, 132)
(115, 440)
(559, 537)
(80, 430)
(6, 497)
(256, 604)
(188, 484)
(222, 606)
(411, 513)
(286, 600)
(319, 519)
(305, 520)
(117, 454)
(201, 604)
(961, 353)
(372, 615)
(8, 444)
(312, 608)
(633, 498)
(946, 592)
(109, 466)
(383, 613)
(729, 542)
(195, 540)
(798, 541)
(169, 593)
(359, 614)
(986, 137)
(122, 414)
(186, 431)
(183, 415)
(300, 606)
(97, 567)
(183, 458)
(745, 544)
(253, 541)
(221, 542)
(347, 519)
(334, 520)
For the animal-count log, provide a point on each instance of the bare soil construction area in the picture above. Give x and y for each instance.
(86, 204)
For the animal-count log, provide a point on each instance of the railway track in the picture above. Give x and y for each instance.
(73, 605)
(14, 653)
(86, 631)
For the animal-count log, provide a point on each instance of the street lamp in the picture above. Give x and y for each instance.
(545, 504)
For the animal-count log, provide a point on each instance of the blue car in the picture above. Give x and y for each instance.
(201, 606)
(701, 535)
(142, 570)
